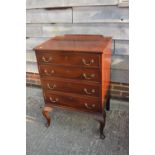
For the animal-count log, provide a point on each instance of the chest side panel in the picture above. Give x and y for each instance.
(105, 73)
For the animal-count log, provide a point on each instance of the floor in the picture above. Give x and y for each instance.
(74, 133)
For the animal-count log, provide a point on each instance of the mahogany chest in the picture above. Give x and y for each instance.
(75, 74)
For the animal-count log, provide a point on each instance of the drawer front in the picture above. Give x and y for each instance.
(63, 58)
(70, 87)
(70, 72)
(85, 104)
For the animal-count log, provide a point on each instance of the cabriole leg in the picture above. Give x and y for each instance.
(102, 125)
(101, 119)
(45, 112)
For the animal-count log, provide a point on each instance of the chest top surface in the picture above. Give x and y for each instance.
(77, 43)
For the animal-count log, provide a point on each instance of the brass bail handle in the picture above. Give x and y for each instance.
(88, 77)
(54, 100)
(86, 91)
(51, 87)
(46, 59)
(89, 107)
(88, 64)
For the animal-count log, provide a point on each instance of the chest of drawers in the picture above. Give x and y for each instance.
(75, 74)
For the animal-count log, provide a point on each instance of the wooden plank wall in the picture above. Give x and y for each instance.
(49, 18)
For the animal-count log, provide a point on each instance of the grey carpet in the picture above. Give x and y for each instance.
(74, 133)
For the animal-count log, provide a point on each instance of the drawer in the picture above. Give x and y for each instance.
(64, 58)
(70, 72)
(70, 87)
(86, 104)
